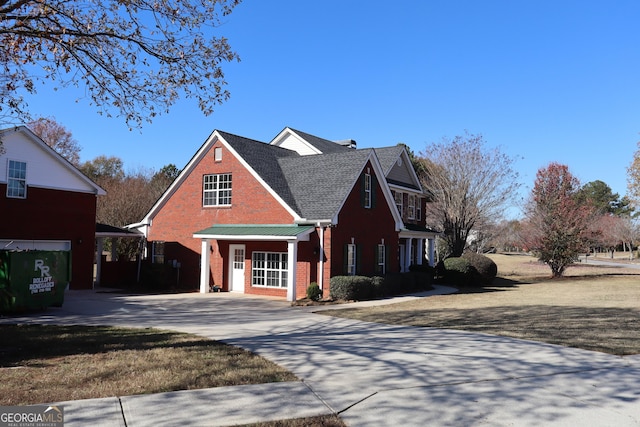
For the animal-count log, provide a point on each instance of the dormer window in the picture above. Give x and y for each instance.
(17, 179)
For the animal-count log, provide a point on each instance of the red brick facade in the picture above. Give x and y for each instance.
(54, 215)
(183, 214)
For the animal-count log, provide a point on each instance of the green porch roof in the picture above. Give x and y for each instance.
(255, 230)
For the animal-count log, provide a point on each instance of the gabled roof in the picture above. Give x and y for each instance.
(311, 187)
(41, 176)
(321, 183)
(306, 144)
(323, 145)
(397, 167)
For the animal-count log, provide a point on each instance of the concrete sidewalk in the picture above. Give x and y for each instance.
(371, 374)
(221, 406)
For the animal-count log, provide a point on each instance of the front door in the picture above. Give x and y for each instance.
(236, 268)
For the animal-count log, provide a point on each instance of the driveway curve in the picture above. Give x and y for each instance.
(373, 374)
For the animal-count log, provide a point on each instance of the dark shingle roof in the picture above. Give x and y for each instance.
(322, 182)
(263, 158)
(324, 145)
(314, 186)
(388, 156)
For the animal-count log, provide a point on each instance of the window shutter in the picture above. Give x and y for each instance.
(387, 257)
(362, 191)
(345, 260)
(374, 186)
(358, 259)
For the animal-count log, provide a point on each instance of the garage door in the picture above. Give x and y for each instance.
(43, 245)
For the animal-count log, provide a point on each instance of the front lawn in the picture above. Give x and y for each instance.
(594, 308)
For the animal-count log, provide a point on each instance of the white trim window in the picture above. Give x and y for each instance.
(216, 190)
(269, 269)
(382, 256)
(397, 196)
(17, 179)
(157, 252)
(367, 191)
(351, 259)
(419, 208)
(411, 208)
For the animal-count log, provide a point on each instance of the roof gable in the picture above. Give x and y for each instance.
(259, 158)
(306, 144)
(398, 168)
(310, 187)
(46, 168)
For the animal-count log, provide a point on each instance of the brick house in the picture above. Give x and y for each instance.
(46, 203)
(270, 218)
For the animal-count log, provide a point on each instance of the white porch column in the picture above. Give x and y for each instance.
(407, 255)
(419, 250)
(205, 259)
(321, 260)
(431, 248)
(99, 249)
(292, 257)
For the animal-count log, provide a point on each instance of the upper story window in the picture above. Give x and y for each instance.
(216, 190)
(419, 208)
(411, 208)
(217, 154)
(17, 179)
(367, 191)
(397, 195)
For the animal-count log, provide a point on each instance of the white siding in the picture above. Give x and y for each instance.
(44, 169)
(292, 142)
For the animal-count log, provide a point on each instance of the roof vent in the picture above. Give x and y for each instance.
(350, 143)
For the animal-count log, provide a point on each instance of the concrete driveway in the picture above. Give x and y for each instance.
(382, 375)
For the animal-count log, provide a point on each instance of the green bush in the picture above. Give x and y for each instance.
(351, 288)
(459, 272)
(485, 267)
(313, 292)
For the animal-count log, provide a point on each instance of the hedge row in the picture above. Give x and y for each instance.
(362, 288)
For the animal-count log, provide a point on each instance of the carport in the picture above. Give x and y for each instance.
(105, 231)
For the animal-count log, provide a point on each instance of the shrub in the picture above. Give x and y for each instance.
(485, 267)
(313, 292)
(351, 288)
(459, 271)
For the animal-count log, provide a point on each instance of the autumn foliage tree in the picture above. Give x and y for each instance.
(130, 194)
(57, 137)
(557, 225)
(135, 58)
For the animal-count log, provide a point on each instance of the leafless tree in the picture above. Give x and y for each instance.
(470, 186)
(135, 58)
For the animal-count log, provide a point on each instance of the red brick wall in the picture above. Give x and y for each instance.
(183, 215)
(54, 215)
(367, 227)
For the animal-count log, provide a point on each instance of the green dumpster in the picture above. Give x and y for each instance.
(33, 279)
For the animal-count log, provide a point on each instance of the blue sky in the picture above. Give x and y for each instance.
(543, 80)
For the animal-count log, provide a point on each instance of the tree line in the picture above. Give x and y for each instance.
(469, 187)
(130, 193)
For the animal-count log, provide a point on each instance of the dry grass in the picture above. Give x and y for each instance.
(56, 363)
(595, 308)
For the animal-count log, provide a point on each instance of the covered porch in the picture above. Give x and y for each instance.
(235, 263)
(417, 245)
